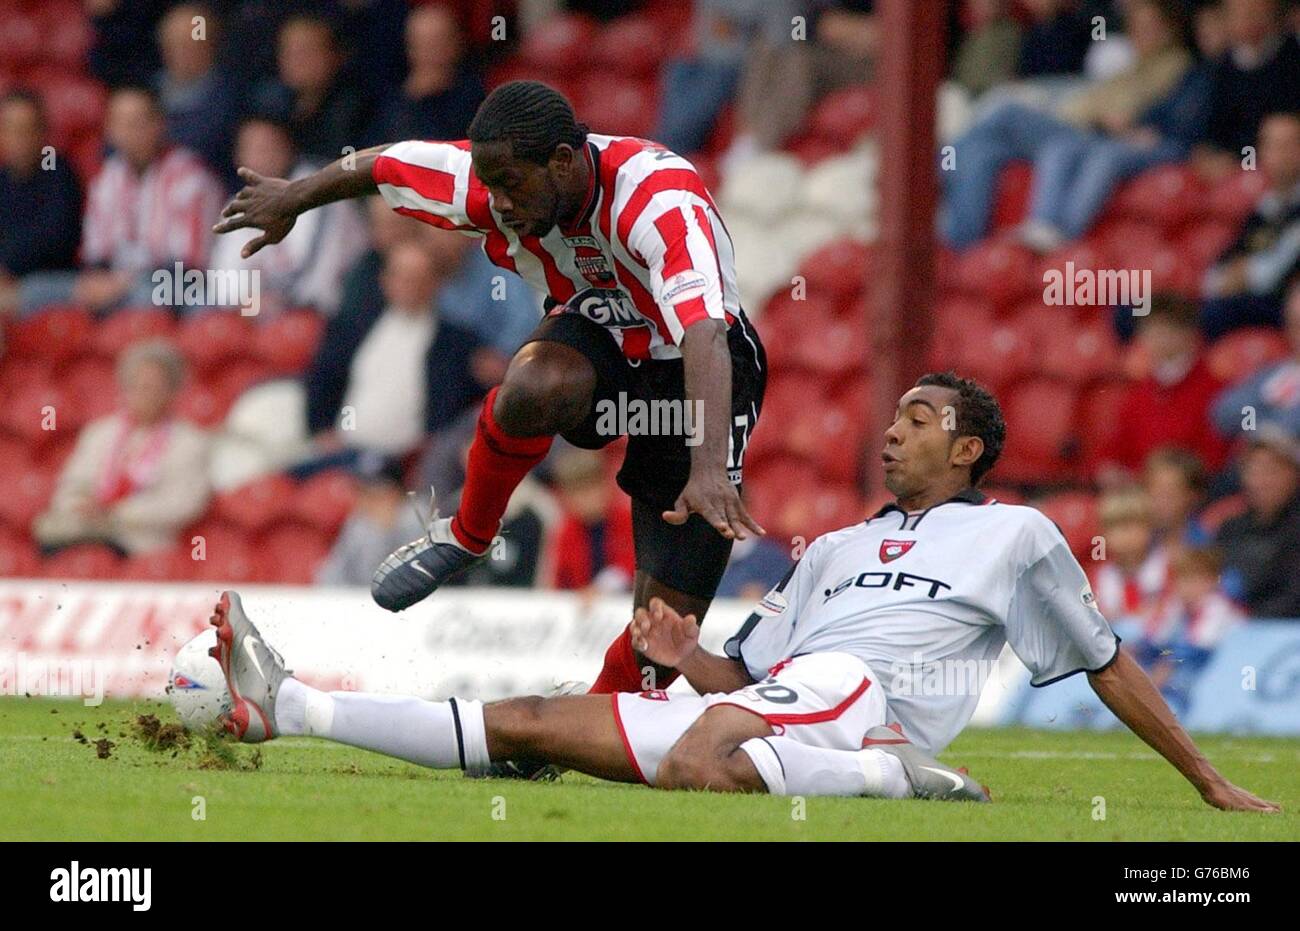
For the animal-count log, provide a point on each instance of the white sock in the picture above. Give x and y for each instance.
(792, 768)
(441, 735)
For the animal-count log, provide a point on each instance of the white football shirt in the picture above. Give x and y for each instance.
(928, 600)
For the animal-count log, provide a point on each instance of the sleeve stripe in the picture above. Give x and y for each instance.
(430, 183)
(434, 219)
(672, 230)
(667, 179)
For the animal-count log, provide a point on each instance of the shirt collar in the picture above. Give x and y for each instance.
(592, 154)
(971, 495)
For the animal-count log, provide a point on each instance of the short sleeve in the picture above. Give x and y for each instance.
(764, 638)
(1053, 623)
(431, 182)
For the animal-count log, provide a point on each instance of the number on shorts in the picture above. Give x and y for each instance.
(776, 694)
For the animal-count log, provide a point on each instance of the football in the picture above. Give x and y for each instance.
(196, 686)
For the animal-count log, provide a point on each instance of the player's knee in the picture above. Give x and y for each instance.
(542, 393)
(514, 727)
(684, 769)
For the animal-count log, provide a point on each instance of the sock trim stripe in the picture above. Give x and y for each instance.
(777, 755)
(497, 447)
(460, 737)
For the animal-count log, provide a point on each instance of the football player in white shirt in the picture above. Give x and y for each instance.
(825, 688)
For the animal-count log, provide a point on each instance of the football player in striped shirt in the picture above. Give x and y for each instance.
(626, 243)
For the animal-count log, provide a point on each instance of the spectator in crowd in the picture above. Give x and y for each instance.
(308, 267)
(987, 53)
(324, 111)
(381, 520)
(1259, 74)
(1055, 41)
(151, 205)
(1188, 624)
(1169, 406)
(198, 98)
(1246, 286)
(136, 477)
(1133, 573)
(121, 53)
(1271, 395)
(756, 564)
(782, 81)
(382, 381)
(440, 95)
(40, 199)
(1260, 550)
(697, 86)
(1112, 130)
(591, 547)
(1177, 487)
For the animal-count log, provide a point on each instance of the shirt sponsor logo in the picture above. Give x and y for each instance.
(892, 549)
(683, 286)
(605, 307)
(773, 603)
(897, 581)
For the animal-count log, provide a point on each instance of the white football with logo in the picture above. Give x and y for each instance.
(196, 686)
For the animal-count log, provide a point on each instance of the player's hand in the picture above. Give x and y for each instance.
(1224, 795)
(262, 204)
(662, 635)
(717, 501)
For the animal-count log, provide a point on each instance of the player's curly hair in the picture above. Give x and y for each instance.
(533, 117)
(978, 414)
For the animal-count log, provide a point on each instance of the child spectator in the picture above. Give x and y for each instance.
(1133, 572)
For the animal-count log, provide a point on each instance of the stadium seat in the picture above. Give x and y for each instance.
(20, 41)
(83, 561)
(1078, 352)
(838, 271)
(995, 353)
(1205, 241)
(1233, 198)
(210, 339)
(26, 495)
(632, 45)
(325, 500)
(293, 550)
(1075, 513)
(617, 105)
(230, 559)
(67, 36)
(129, 325)
(1011, 199)
(841, 117)
(36, 412)
(18, 373)
(75, 103)
(1040, 433)
(997, 269)
(810, 511)
(253, 507)
(831, 437)
(836, 349)
(557, 43)
(1167, 196)
(288, 342)
(168, 565)
(1082, 254)
(19, 557)
(56, 334)
(1239, 354)
(92, 386)
(1119, 239)
(205, 404)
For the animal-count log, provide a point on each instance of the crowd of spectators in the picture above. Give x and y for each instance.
(1200, 488)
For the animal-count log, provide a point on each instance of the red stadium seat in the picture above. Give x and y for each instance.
(1167, 196)
(1204, 242)
(1078, 352)
(229, 558)
(130, 325)
(15, 457)
(832, 437)
(19, 557)
(66, 36)
(632, 45)
(1119, 239)
(842, 116)
(35, 413)
(1241, 353)
(92, 386)
(1040, 431)
(254, 506)
(1232, 199)
(558, 43)
(288, 342)
(810, 511)
(293, 551)
(1083, 254)
(1075, 512)
(26, 495)
(75, 104)
(206, 405)
(18, 374)
(1011, 200)
(213, 338)
(325, 500)
(611, 104)
(835, 350)
(996, 354)
(20, 40)
(999, 270)
(168, 565)
(56, 333)
(838, 271)
(83, 561)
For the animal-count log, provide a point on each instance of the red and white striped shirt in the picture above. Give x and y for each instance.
(647, 256)
(135, 222)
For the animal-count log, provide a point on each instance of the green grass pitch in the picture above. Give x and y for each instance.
(56, 786)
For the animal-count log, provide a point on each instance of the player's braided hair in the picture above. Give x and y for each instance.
(533, 117)
(978, 414)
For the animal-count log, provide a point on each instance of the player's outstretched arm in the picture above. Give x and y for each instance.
(1129, 693)
(272, 205)
(663, 636)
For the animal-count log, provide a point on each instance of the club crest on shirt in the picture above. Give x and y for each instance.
(892, 549)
